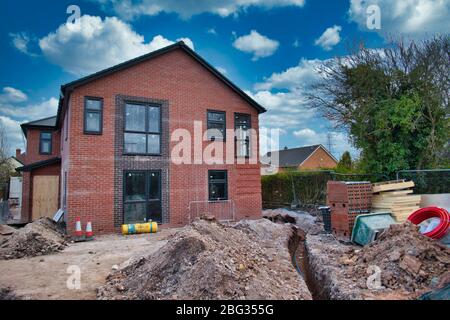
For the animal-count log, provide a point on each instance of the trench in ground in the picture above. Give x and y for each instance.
(299, 257)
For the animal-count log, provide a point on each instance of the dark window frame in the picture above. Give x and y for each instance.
(247, 140)
(146, 132)
(147, 199)
(221, 181)
(87, 110)
(224, 138)
(41, 140)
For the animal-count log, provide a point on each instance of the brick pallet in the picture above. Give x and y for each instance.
(347, 200)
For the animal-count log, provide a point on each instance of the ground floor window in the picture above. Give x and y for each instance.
(218, 185)
(142, 196)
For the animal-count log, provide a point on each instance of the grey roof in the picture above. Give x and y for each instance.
(290, 157)
(49, 122)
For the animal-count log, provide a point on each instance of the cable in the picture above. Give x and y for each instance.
(423, 214)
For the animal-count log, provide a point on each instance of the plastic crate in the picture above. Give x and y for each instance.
(326, 218)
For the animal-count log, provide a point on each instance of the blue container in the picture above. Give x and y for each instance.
(368, 226)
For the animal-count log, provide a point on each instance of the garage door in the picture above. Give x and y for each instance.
(45, 196)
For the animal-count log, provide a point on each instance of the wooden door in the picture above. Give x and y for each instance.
(45, 196)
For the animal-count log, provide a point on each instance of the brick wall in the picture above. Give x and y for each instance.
(318, 160)
(32, 155)
(190, 91)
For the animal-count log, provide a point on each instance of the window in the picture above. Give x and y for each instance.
(45, 143)
(217, 185)
(142, 196)
(242, 124)
(142, 129)
(93, 115)
(216, 125)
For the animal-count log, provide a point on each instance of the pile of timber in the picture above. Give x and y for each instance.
(395, 197)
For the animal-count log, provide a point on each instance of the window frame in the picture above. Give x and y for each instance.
(146, 132)
(87, 110)
(247, 140)
(224, 138)
(41, 140)
(211, 181)
(147, 199)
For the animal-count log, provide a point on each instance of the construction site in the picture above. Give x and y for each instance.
(361, 246)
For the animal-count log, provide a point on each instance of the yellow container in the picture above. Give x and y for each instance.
(137, 228)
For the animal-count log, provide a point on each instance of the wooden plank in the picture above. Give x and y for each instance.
(45, 196)
(392, 186)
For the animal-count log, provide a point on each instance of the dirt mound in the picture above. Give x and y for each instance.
(407, 259)
(303, 220)
(208, 260)
(37, 238)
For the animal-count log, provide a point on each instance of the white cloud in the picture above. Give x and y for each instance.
(260, 46)
(329, 38)
(212, 31)
(12, 95)
(305, 133)
(14, 111)
(413, 18)
(299, 76)
(339, 140)
(21, 41)
(97, 44)
(128, 9)
(46, 108)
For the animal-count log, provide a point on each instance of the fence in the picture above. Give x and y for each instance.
(309, 188)
(223, 210)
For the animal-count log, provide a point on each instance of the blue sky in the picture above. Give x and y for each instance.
(269, 48)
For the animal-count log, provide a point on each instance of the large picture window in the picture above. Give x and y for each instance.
(242, 124)
(45, 143)
(142, 196)
(93, 115)
(216, 125)
(142, 129)
(218, 185)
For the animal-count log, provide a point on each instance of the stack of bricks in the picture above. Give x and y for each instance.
(347, 200)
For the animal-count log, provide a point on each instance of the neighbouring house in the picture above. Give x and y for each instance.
(304, 158)
(107, 156)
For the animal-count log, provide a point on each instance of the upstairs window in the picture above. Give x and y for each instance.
(217, 185)
(142, 133)
(242, 124)
(93, 115)
(216, 125)
(45, 143)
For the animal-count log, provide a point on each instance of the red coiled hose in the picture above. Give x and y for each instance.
(423, 214)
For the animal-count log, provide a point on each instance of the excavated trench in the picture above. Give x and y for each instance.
(300, 261)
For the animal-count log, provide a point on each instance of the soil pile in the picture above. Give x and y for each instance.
(37, 238)
(208, 260)
(408, 260)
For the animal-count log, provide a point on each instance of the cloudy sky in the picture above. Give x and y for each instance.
(270, 48)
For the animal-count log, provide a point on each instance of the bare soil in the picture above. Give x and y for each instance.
(45, 277)
(208, 260)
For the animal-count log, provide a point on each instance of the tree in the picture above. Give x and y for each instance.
(345, 163)
(5, 166)
(394, 102)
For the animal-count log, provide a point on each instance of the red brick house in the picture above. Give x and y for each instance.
(110, 145)
(314, 157)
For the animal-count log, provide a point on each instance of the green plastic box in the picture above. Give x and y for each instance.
(368, 226)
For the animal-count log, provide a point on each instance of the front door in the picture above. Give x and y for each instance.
(142, 196)
(45, 196)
